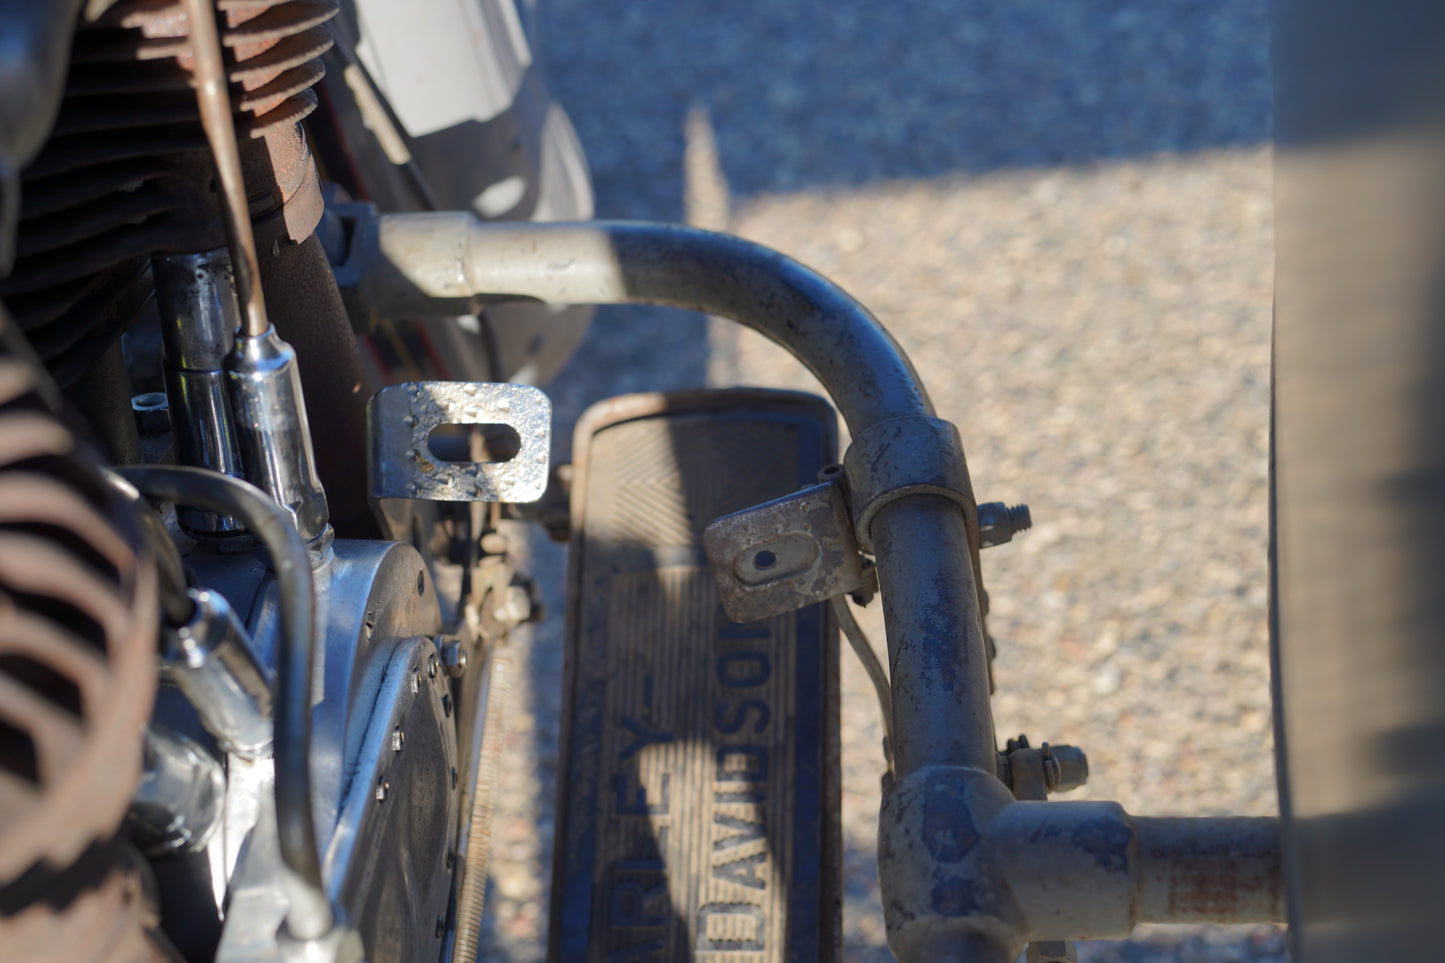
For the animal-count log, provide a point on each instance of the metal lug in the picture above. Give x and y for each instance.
(999, 523)
(404, 416)
(1065, 767)
(785, 554)
(1036, 773)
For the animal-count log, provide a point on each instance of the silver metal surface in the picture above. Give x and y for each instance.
(272, 432)
(387, 859)
(371, 597)
(196, 301)
(295, 655)
(403, 466)
(785, 554)
(177, 805)
(211, 660)
(454, 658)
(196, 298)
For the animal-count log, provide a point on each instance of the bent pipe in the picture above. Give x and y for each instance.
(967, 872)
(965, 865)
(426, 263)
(309, 915)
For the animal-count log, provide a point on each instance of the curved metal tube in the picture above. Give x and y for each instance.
(937, 651)
(427, 258)
(309, 916)
(176, 602)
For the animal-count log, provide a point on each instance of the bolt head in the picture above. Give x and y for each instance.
(382, 788)
(431, 667)
(398, 739)
(454, 657)
(152, 416)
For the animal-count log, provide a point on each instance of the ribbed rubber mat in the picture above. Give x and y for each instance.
(698, 794)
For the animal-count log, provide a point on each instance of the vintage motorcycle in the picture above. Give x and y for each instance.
(281, 279)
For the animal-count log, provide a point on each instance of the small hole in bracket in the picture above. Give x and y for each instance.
(487, 444)
(765, 560)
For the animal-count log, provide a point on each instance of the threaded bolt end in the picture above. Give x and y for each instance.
(1019, 519)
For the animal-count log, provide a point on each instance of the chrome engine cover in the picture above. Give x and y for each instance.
(384, 759)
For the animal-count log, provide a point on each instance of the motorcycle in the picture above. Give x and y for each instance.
(282, 279)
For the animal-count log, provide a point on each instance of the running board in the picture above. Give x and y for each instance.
(698, 792)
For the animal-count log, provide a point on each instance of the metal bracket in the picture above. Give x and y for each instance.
(402, 465)
(785, 554)
(906, 456)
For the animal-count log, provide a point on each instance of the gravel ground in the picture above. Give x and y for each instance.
(1064, 216)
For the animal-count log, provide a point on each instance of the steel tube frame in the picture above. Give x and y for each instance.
(967, 871)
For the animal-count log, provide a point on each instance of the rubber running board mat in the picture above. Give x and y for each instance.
(698, 794)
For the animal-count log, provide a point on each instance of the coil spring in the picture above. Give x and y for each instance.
(126, 171)
(78, 619)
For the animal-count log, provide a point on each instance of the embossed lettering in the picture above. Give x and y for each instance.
(738, 911)
(730, 719)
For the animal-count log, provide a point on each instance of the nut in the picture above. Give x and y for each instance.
(454, 658)
(152, 414)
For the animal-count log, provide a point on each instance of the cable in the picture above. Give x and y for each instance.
(310, 914)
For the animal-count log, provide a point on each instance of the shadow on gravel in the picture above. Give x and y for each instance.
(839, 93)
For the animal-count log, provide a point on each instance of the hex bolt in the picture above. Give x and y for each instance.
(999, 523)
(398, 739)
(1065, 767)
(454, 658)
(382, 788)
(431, 667)
(152, 415)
